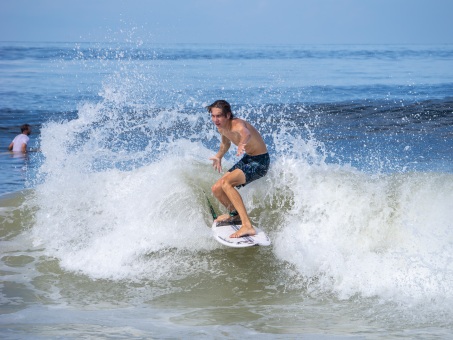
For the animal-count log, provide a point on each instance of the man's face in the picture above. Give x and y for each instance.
(218, 118)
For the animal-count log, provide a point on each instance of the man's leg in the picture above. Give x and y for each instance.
(222, 198)
(217, 190)
(224, 190)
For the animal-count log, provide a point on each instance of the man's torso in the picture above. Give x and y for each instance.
(19, 140)
(255, 145)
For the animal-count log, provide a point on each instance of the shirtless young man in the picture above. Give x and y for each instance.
(252, 166)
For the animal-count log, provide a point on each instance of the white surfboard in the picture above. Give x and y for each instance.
(223, 230)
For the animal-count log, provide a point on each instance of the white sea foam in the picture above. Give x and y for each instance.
(387, 236)
(116, 189)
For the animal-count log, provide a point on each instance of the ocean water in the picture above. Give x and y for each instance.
(104, 227)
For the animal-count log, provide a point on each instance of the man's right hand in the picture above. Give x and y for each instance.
(216, 163)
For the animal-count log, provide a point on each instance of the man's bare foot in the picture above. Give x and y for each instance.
(244, 231)
(222, 218)
(228, 217)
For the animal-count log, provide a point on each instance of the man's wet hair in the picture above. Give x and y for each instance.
(223, 105)
(24, 127)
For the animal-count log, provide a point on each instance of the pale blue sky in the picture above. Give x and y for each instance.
(230, 21)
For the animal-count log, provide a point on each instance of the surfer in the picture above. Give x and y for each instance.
(253, 165)
(19, 143)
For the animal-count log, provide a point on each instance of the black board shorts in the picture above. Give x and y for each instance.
(253, 167)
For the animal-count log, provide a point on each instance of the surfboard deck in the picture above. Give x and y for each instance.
(222, 231)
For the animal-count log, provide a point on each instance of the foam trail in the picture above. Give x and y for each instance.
(105, 224)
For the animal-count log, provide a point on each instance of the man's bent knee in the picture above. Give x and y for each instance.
(216, 188)
(226, 183)
(233, 179)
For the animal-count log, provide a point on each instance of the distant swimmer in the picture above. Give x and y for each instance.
(253, 165)
(19, 143)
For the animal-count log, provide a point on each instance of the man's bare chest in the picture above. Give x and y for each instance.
(233, 136)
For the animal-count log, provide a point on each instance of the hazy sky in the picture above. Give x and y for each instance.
(229, 21)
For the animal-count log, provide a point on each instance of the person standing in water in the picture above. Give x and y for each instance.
(19, 143)
(253, 165)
